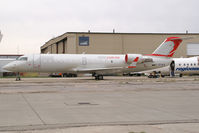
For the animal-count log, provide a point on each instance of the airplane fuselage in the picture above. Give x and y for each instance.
(187, 65)
(182, 66)
(82, 63)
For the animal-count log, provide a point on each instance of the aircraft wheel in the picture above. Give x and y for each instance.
(162, 76)
(101, 77)
(18, 79)
(96, 77)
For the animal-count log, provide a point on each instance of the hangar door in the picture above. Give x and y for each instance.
(192, 49)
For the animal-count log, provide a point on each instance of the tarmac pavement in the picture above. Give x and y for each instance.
(64, 104)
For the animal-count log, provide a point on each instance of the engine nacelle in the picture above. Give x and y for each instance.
(137, 58)
(146, 59)
(130, 58)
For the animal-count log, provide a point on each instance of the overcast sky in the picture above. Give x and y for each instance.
(28, 24)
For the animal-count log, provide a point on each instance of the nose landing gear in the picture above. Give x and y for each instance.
(18, 78)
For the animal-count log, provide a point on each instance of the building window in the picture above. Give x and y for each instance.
(83, 41)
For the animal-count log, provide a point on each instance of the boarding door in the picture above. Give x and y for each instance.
(84, 61)
(36, 62)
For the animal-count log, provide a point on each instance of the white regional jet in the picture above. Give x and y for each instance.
(96, 64)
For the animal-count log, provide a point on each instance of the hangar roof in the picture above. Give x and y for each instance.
(63, 36)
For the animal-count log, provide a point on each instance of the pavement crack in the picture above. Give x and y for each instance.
(37, 114)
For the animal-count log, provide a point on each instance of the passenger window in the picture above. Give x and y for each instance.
(184, 64)
(194, 64)
(187, 64)
(191, 64)
(179, 64)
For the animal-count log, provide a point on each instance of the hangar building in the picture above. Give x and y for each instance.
(118, 43)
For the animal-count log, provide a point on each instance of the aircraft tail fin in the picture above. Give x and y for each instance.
(168, 47)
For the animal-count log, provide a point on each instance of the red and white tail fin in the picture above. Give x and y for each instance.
(168, 47)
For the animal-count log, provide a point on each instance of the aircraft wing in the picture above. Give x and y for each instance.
(99, 70)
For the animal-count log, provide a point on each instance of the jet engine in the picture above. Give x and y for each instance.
(137, 58)
(130, 58)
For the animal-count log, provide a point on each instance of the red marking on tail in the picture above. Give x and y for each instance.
(156, 55)
(176, 42)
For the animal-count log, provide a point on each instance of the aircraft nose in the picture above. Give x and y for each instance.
(9, 67)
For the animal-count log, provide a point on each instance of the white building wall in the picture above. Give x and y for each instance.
(192, 49)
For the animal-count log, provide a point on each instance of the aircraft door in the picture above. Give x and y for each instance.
(36, 62)
(84, 61)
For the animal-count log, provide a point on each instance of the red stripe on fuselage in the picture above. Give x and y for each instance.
(157, 55)
(131, 66)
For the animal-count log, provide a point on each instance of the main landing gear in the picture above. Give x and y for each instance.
(155, 74)
(98, 77)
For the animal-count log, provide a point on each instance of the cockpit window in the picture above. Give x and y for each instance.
(17, 58)
(22, 58)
